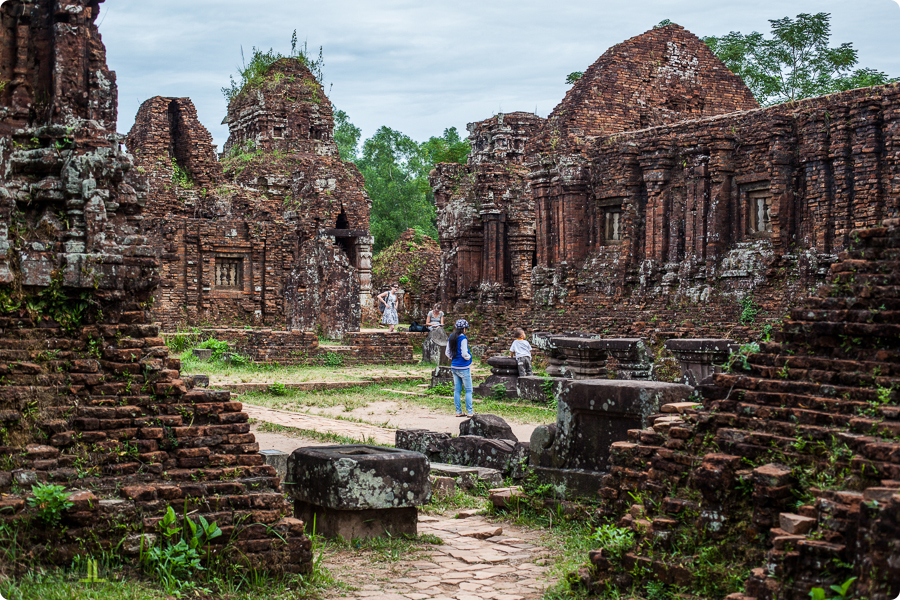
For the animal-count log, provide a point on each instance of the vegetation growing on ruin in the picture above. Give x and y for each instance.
(254, 73)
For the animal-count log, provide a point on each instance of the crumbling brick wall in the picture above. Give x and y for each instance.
(277, 234)
(664, 75)
(89, 397)
(789, 459)
(486, 214)
(708, 223)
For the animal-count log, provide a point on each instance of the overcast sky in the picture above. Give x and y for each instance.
(422, 66)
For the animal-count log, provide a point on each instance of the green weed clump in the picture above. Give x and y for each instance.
(51, 501)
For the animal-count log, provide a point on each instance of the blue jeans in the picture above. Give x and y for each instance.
(462, 378)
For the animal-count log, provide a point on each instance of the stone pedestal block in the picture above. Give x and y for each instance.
(434, 346)
(700, 358)
(504, 371)
(441, 376)
(202, 353)
(358, 491)
(633, 357)
(277, 459)
(592, 415)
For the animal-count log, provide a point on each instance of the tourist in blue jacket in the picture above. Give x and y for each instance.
(460, 363)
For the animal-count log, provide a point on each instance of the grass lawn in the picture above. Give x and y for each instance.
(354, 398)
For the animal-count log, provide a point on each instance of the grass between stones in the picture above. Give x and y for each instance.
(321, 436)
(363, 396)
(222, 373)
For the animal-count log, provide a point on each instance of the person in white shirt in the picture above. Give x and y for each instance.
(521, 349)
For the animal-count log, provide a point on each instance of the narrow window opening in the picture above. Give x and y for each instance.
(760, 212)
(229, 273)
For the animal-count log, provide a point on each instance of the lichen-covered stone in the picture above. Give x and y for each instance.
(358, 477)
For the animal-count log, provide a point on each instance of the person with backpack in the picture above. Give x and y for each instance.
(388, 305)
(460, 363)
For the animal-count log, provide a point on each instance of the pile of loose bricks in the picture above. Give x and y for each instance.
(791, 462)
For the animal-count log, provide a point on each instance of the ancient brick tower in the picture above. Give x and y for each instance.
(281, 238)
(658, 197)
(89, 397)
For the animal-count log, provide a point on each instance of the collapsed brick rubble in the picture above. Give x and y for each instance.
(89, 396)
(791, 462)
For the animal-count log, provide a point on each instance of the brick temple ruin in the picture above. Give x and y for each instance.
(268, 248)
(280, 236)
(657, 195)
(89, 397)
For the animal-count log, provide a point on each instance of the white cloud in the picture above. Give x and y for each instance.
(420, 67)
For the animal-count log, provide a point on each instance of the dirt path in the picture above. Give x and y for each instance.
(505, 566)
(359, 431)
(389, 414)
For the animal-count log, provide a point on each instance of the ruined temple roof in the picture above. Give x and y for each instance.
(662, 76)
(285, 109)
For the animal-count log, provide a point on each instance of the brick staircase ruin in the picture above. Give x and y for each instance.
(89, 397)
(789, 474)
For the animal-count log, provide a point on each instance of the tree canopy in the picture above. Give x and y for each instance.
(795, 62)
(396, 169)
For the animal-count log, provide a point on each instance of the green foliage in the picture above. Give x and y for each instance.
(334, 360)
(573, 77)
(176, 559)
(253, 74)
(617, 541)
(396, 171)
(277, 389)
(547, 386)
(346, 136)
(663, 23)
(796, 62)
(50, 500)
(498, 392)
(749, 310)
(842, 591)
(182, 340)
(218, 347)
(441, 389)
(396, 181)
(54, 302)
(741, 357)
(180, 177)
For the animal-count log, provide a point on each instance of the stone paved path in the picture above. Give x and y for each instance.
(500, 567)
(286, 418)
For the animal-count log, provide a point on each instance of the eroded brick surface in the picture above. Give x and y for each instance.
(280, 236)
(89, 396)
(792, 456)
(655, 215)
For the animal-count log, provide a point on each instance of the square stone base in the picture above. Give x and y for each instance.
(569, 484)
(356, 524)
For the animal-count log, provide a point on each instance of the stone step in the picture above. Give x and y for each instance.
(468, 476)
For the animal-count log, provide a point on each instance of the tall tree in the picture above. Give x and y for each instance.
(393, 166)
(449, 148)
(796, 62)
(346, 135)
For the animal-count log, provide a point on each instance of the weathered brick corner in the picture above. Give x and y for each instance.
(89, 396)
